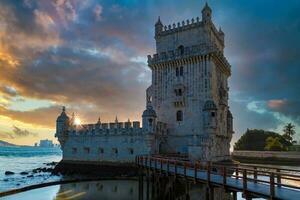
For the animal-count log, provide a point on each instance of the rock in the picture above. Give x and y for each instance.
(51, 164)
(24, 173)
(54, 173)
(9, 173)
(30, 176)
(5, 180)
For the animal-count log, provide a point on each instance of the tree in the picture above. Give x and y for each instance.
(288, 132)
(273, 144)
(255, 140)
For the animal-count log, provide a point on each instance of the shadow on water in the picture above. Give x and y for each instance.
(144, 188)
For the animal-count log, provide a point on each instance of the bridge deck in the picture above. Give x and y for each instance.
(255, 188)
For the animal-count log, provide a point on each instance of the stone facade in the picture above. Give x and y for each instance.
(187, 110)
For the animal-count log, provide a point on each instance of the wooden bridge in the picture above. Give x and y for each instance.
(252, 181)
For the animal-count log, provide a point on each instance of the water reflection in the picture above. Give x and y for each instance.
(114, 189)
(162, 188)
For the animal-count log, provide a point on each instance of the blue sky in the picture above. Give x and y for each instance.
(91, 56)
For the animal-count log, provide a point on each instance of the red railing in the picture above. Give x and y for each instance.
(273, 177)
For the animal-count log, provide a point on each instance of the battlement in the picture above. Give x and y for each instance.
(195, 50)
(113, 125)
(120, 128)
(184, 25)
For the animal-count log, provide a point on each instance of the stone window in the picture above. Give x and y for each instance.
(181, 49)
(178, 92)
(86, 150)
(181, 71)
(179, 116)
(74, 150)
(150, 122)
(101, 150)
(130, 150)
(213, 114)
(115, 151)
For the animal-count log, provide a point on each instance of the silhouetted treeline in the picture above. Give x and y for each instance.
(259, 140)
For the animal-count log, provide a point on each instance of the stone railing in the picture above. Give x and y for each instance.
(201, 49)
(195, 50)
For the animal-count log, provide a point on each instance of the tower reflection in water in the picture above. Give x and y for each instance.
(162, 188)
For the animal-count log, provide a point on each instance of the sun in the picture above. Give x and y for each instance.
(77, 121)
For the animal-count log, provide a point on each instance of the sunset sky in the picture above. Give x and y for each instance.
(90, 55)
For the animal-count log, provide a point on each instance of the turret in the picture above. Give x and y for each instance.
(210, 115)
(62, 125)
(149, 119)
(221, 34)
(206, 13)
(158, 27)
(229, 122)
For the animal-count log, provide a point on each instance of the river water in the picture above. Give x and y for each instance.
(25, 159)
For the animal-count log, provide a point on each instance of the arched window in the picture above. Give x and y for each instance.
(150, 122)
(181, 71)
(181, 50)
(179, 116)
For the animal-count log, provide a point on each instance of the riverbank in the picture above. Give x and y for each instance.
(267, 157)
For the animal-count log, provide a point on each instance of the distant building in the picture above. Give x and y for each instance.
(46, 143)
(187, 110)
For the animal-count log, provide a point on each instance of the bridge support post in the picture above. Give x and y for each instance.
(245, 182)
(272, 186)
(208, 171)
(141, 186)
(148, 185)
(187, 190)
(153, 187)
(234, 195)
(278, 178)
(255, 175)
(209, 193)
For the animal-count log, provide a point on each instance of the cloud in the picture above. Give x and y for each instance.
(17, 132)
(56, 51)
(5, 135)
(11, 91)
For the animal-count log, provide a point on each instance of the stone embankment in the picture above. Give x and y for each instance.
(267, 157)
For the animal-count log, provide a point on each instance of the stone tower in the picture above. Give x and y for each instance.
(189, 90)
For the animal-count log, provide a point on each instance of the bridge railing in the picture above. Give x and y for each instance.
(246, 173)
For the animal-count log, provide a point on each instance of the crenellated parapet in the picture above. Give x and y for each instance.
(119, 128)
(181, 26)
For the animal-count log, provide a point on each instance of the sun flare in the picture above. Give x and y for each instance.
(77, 121)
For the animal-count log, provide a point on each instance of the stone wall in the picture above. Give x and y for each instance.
(108, 148)
(267, 154)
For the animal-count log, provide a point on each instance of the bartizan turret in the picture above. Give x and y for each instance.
(149, 119)
(206, 14)
(62, 125)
